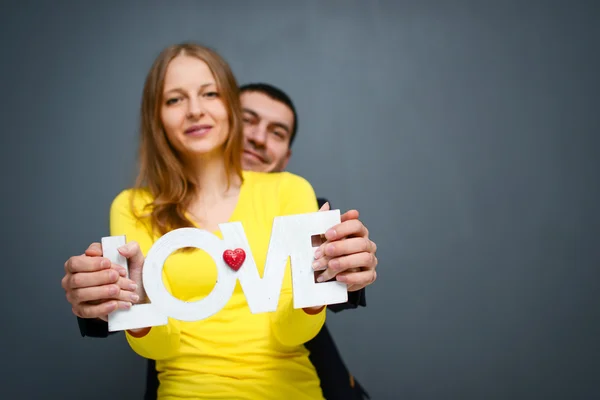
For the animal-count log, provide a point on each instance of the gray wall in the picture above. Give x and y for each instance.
(466, 134)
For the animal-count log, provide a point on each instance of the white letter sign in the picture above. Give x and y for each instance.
(290, 237)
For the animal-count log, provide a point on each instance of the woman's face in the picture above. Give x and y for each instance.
(193, 114)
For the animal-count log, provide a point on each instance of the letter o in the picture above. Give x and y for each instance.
(165, 301)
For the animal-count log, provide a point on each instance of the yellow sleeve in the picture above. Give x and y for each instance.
(292, 326)
(162, 341)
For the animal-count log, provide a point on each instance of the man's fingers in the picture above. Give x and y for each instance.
(93, 294)
(100, 310)
(122, 271)
(91, 279)
(348, 215)
(96, 287)
(94, 250)
(352, 227)
(357, 280)
(348, 246)
(101, 293)
(127, 284)
(95, 311)
(77, 264)
(337, 255)
(341, 264)
(320, 264)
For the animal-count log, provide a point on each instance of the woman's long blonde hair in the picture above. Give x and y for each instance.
(161, 169)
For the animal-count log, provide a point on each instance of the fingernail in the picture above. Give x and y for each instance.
(105, 263)
(318, 253)
(122, 271)
(133, 286)
(320, 278)
(124, 305)
(125, 247)
(135, 298)
(317, 266)
(113, 290)
(330, 234)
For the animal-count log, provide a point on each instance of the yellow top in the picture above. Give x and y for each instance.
(233, 354)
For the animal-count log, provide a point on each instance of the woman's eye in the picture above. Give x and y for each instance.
(172, 100)
(211, 94)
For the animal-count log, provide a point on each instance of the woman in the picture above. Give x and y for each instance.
(190, 176)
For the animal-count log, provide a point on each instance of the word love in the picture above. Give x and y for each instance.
(291, 236)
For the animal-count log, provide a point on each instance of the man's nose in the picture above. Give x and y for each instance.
(258, 136)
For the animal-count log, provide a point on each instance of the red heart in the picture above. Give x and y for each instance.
(234, 258)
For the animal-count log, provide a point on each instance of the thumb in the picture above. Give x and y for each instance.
(135, 262)
(325, 207)
(132, 252)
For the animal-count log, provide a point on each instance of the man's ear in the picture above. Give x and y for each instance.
(287, 159)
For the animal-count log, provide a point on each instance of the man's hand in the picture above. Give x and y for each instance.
(95, 287)
(348, 255)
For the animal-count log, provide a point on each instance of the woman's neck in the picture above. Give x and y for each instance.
(212, 180)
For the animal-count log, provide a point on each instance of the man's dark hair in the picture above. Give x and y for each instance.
(277, 95)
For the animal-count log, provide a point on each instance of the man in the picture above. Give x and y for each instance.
(270, 126)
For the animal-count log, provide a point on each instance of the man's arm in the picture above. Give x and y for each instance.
(356, 298)
(93, 327)
(94, 287)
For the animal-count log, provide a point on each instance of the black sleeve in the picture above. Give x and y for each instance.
(321, 201)
(355, 299)
(93, 327)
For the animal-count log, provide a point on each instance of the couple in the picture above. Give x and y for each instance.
(210, 153)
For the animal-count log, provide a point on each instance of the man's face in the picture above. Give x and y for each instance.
(268, 127)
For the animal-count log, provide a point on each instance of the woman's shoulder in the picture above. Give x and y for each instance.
(276, 179)
(141, 198)
(279, 186)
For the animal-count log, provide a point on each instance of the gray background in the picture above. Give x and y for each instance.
(466, 134)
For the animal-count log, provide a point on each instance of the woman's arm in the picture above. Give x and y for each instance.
(157, 342)
(293, 326)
